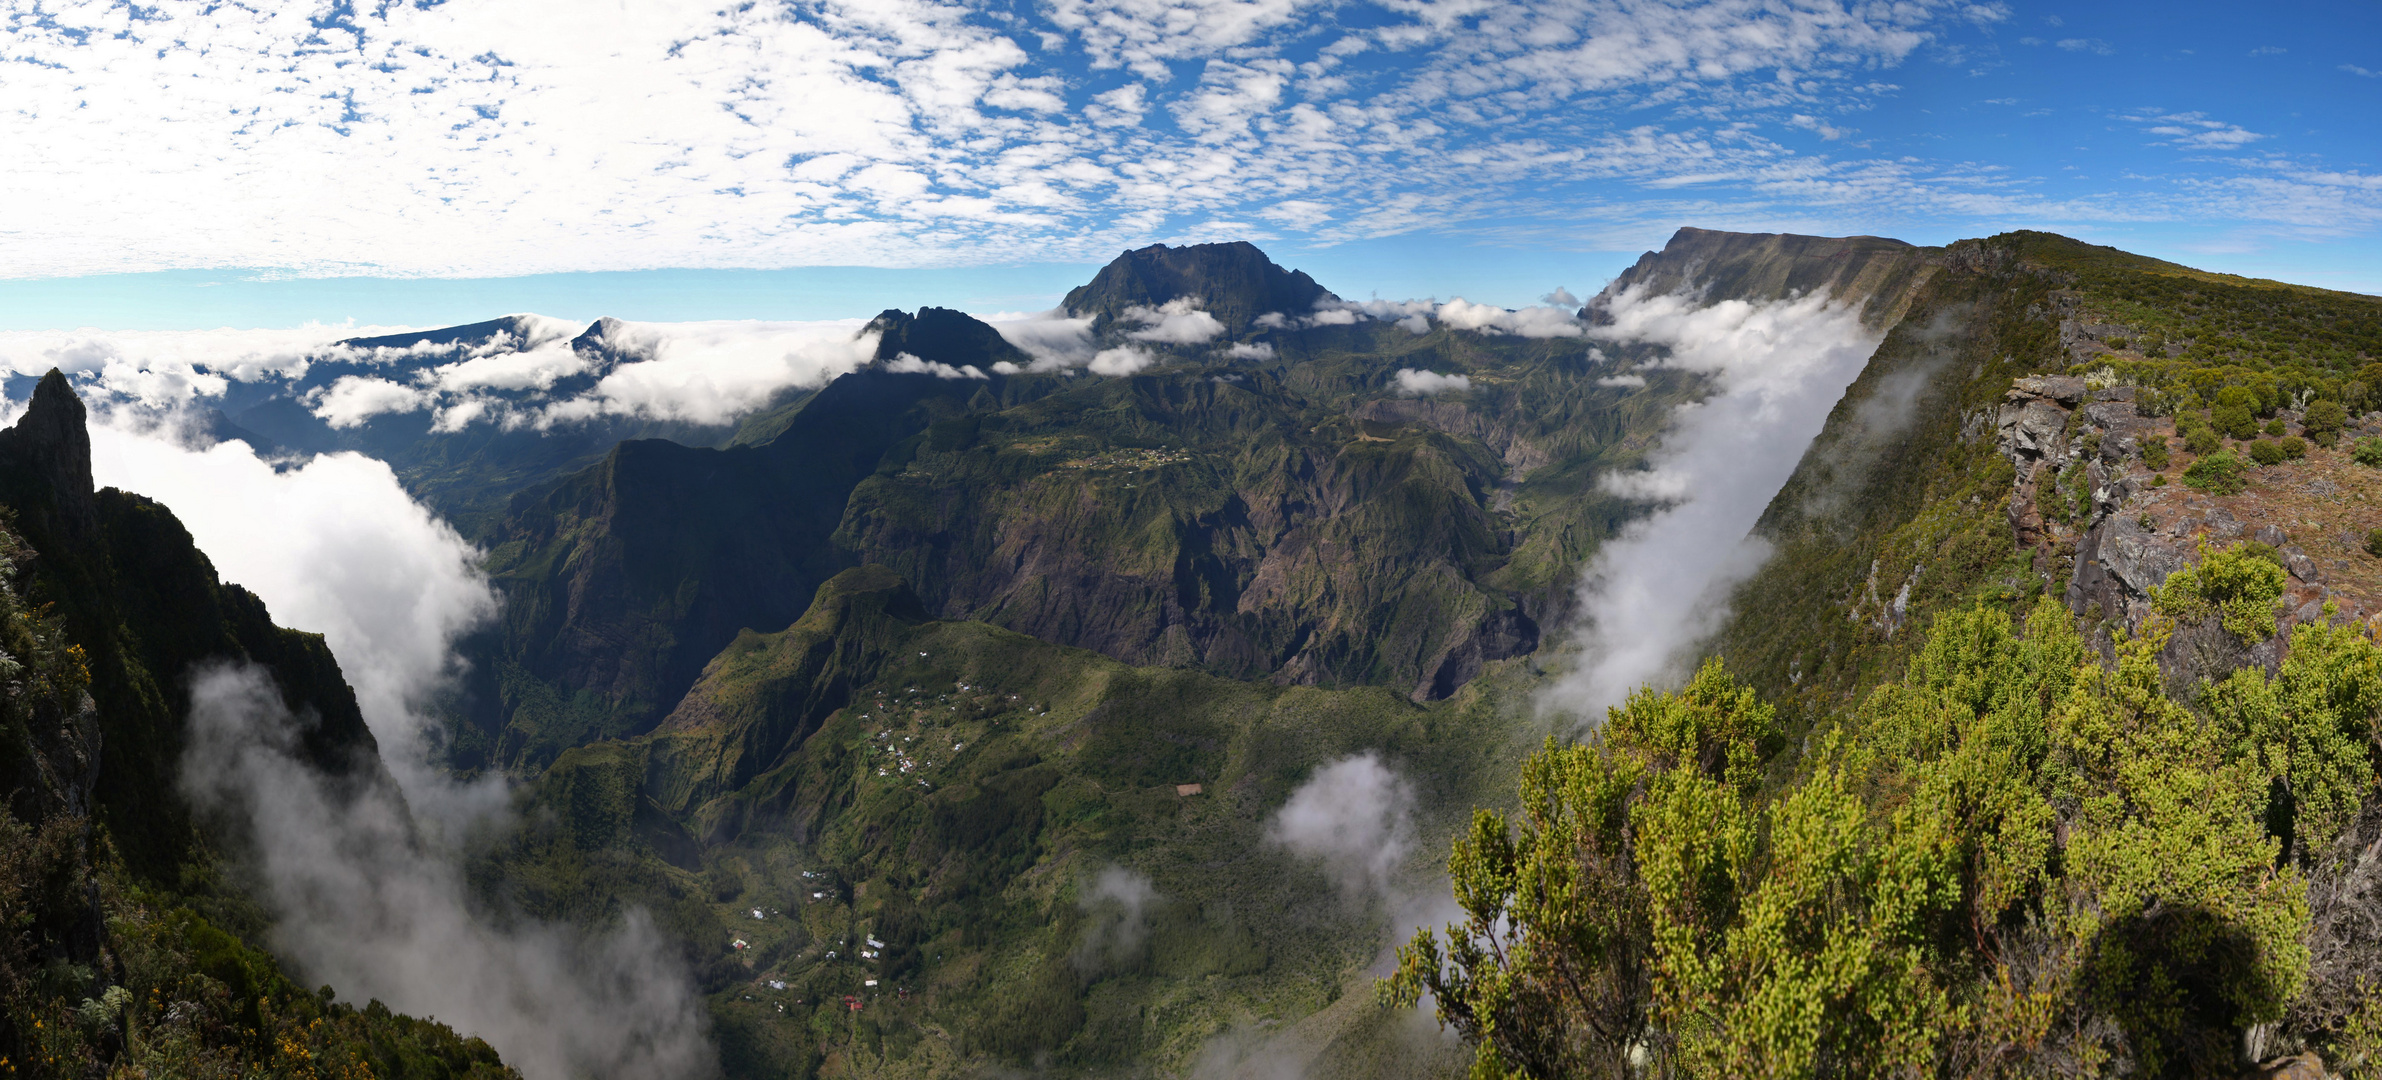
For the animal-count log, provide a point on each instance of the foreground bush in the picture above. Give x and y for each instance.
(2016, 861)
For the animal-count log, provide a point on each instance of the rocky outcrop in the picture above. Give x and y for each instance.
(131, 589)
(2122, 533)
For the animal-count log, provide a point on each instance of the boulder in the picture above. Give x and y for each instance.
(2064, 389)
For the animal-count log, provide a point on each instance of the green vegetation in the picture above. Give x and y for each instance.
(2324, 421)
(2219, 473)
(957, 791)
(2269, 452)
(2369, 451)
(2155, 452)
(2015, 859)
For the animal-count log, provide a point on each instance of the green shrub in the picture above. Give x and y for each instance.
(2324, 421)
(2373, 542)
(2275, 427)
(2201, 441)
(2293, 446)
(2369, 451)
(2235, 412)
(2154, 452)
(2233, 421)
(2218, 474)
(2267, 452)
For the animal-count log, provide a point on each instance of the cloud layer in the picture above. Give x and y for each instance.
(1661, 587)
(703, 373)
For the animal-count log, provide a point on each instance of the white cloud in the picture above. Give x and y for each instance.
(1632, 382)
(906, 364)
(714, 372)
(1413, 383)
(694, 372)
(1053, 338)
(360, 897)
(1177, 322)
(1356, 816)
(1123, 360)
(1244, 350)
(1530, 322)
(470, 140)
(352, 399)
(1654, 592)
(141, 355)
(2195, 131)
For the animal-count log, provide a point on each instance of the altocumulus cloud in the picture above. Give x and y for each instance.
(540, 135)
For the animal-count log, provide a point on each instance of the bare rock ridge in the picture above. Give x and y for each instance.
(1234, 282)
(1879, 273)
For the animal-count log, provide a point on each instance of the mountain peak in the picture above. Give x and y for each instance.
(941, 335)
(45, 460)
(1234, 282)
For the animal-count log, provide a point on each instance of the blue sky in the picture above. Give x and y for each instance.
(196, 165)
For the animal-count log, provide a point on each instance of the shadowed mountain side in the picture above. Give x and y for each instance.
(1179, 520)
(146, 606)
(622, 581)
(1884, 274)
(124, 953)
(765, 693)
(1234, 282)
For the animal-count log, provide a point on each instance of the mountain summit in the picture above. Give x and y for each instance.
(1234, 282)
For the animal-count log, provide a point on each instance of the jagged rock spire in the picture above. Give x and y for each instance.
(45, 461)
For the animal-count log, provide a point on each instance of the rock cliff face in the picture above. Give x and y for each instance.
(145, 605)
(2082, 489)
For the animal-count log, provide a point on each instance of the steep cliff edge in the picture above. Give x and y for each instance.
(1995, 449)
(124, 954)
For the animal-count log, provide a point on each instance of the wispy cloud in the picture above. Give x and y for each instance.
(2195, 131)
